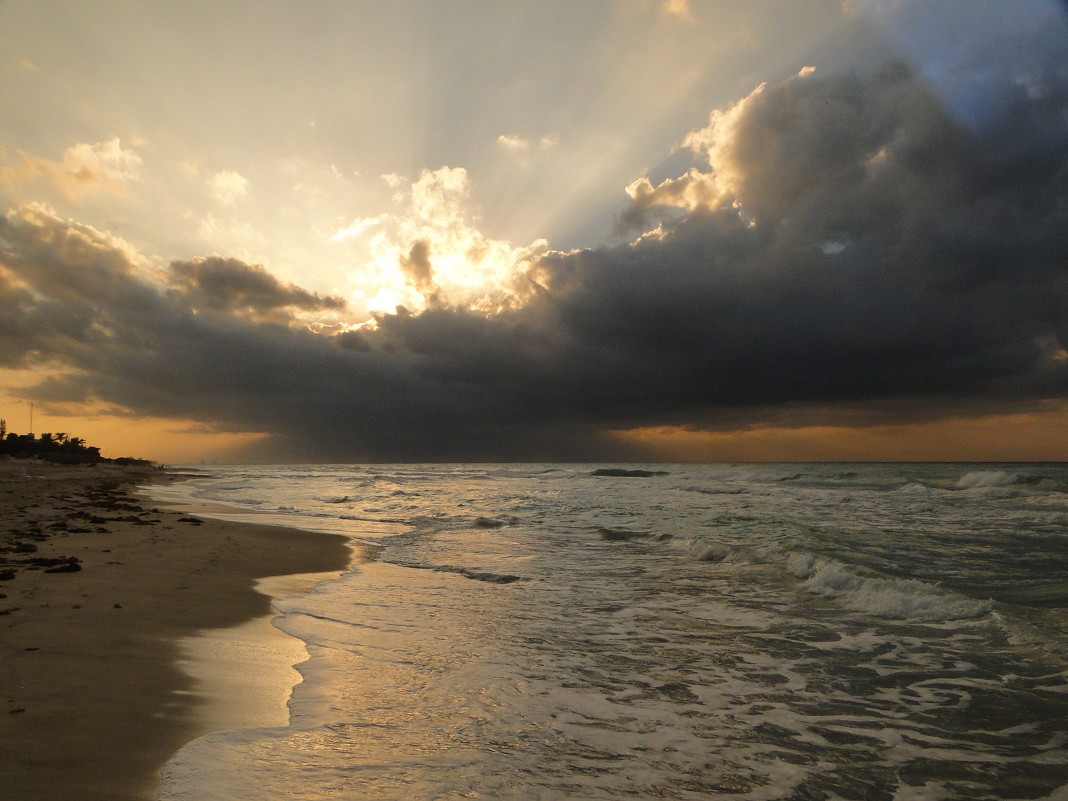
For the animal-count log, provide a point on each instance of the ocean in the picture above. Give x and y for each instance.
(789, 631)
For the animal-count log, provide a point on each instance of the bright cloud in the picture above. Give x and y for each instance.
(228, 186)
(510, 142)
(715, 140)
(519, 144)
(105, 161)
(83, 168)
(680, 9)
(356, 228)
(440, 197)
(696, 189)
(433, 253)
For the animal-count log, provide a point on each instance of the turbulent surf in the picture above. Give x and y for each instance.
(689, 632)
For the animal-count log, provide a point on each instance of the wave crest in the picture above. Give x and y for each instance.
(986, 478)
(906, 599)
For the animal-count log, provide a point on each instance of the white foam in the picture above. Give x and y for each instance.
(907, 599)
(700, 551)
(986, 478)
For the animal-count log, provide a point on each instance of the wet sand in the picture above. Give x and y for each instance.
(100, 593)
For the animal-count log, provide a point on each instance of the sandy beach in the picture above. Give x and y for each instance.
(100, 593)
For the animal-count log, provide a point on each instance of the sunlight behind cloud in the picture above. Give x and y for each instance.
(549, 135)
(696, 189)
(178, 194)
(432, 251)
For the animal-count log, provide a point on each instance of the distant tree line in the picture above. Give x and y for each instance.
(59, 448)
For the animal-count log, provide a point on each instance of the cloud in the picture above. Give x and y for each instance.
(416, 265)
(77, 296)
(228, 186)
(520, 145)
(439, 196)
(846, 248)
(513, 143)
(83, 169)
(697, 189)
(233, 287)
(679, 9)
(55, 278)
(356, 228)
(438, 220)
(853, 241)
(103, 161)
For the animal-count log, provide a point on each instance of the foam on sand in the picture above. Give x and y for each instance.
(243, 675)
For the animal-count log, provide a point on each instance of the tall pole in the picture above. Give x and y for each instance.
(31, 418)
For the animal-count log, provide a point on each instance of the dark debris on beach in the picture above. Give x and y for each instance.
(75, 513)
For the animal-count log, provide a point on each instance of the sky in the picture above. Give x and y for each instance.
(481, 230)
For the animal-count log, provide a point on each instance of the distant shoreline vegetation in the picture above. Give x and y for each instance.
(59, 448)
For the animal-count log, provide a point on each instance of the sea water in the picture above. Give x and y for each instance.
(754, 632)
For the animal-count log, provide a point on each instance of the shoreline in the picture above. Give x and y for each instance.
(101, 594)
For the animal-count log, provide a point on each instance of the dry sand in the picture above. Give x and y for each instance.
(93, 699)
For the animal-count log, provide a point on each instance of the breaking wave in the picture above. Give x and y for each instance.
(906, 599)
(986, 478)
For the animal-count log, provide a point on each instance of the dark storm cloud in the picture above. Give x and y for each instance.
(893, 252)
(231, 285)
(57, 282)
(869, 250)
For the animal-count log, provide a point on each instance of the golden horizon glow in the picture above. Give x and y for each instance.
(116, 432)
(1037, 436)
